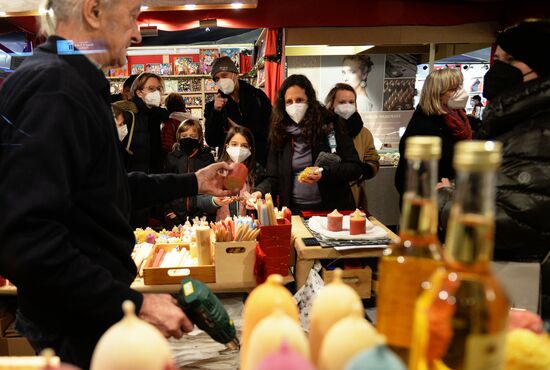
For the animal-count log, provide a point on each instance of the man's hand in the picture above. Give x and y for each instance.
(210, 180)
(219, 102)
(162, 311)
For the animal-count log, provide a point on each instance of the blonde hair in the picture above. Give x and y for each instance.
(61, 11)
(141, 80)
(186, 125)
(329, 100)
(438, 83)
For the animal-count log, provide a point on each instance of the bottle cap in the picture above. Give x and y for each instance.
(423, 148)
(477, 155)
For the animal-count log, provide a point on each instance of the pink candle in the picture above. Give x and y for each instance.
(334, 221)
(357, 225)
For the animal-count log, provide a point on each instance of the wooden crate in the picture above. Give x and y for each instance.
(359, 279)
(173, 275)
(235, 262)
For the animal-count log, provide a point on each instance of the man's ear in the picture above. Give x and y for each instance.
(91, 13)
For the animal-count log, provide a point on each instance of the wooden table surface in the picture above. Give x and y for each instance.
(306, 256)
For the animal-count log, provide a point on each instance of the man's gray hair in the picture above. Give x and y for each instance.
(61, 11)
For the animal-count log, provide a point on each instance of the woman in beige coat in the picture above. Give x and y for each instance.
(341, 100)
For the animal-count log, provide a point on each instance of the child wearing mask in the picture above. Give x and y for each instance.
(342, 100)
(239, 147)
(189, 155)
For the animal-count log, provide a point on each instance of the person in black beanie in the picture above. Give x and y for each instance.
(518, 115)
(237, 103)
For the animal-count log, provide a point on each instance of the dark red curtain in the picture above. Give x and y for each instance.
(273, 67)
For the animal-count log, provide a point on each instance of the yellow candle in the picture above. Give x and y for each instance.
(203, 245)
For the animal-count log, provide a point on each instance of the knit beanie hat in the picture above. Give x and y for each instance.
(223, 64)
(525, 42)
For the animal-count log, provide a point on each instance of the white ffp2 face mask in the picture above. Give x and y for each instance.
(122, 132)
(152, 99)
(226, 85)
(458, 100)
(344, 110)
(296, 111)
(238, 154)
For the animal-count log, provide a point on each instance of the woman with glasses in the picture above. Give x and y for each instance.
(144, 151)
(440, 112)
(142, 144)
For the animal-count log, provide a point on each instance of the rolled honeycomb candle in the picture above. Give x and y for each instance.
(357, 213)
(357, 225)
(334, 221)
(203, 245)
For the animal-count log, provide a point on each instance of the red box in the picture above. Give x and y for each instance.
(273, 254)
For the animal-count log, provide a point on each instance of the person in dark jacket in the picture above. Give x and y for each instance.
(65, 196)
(189, 155)
(441, 113)
(303, 135)
(143, 144)
(341, 100)
(237, 103)
(518, 115)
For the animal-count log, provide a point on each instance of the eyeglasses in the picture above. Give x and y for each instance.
(152, 88)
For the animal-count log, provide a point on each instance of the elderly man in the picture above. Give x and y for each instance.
(65, 197)
(237, 103)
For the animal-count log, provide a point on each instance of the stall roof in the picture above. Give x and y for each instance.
(328, 13)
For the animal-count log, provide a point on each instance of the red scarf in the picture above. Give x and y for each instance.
(457, 122)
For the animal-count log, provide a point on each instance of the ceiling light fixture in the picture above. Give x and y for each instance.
(237, 5)
(3, 14)
(144, 8)
(190, 6)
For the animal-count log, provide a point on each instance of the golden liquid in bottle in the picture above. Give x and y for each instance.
(402, 270)
(464, 312)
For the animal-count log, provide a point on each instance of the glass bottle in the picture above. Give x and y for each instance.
(461, 316)
(409, 263)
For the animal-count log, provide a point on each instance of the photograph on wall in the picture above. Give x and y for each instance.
(137, 69)
(206, 58)
(366, 74)
(233, 53)
(401, 65)
(399, 94)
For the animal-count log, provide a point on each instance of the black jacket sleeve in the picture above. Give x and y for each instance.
(349, 169)
(215, 123)
(150, 190)
(41, 174)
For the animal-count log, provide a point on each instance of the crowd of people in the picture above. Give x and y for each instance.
(76, 181)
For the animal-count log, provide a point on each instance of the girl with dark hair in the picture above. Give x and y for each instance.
(342, 100)
(305, 134)
(239, 147)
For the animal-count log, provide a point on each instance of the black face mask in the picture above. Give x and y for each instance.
(188, 145)
(501, 77)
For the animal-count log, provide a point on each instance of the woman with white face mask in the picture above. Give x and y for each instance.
(341, 100)
(304, 134)
(440, 112)
(239, 148)
(143, 142)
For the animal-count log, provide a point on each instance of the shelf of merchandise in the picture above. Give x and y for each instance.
(202, 92)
